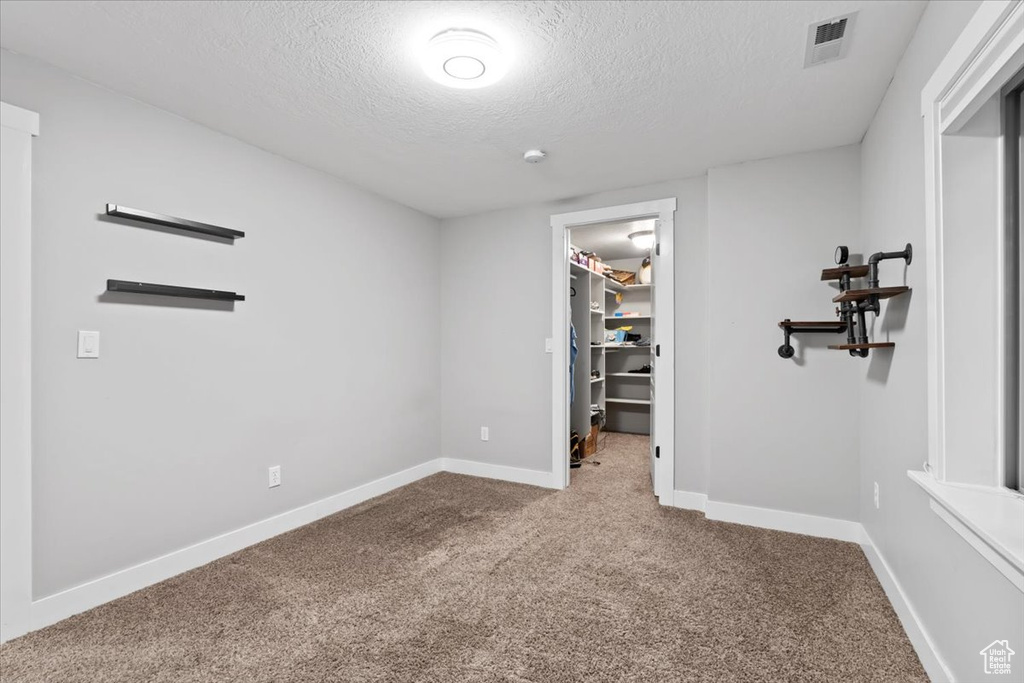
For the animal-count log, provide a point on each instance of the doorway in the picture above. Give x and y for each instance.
(626, 324)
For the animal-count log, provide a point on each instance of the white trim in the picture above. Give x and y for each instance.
(932, 662)
(781, 520)
(689, 500)
(502, 472)
(19, 119)
(54, 608)
(664, 210)
(989, 50)
(19, 127)
(989, 518)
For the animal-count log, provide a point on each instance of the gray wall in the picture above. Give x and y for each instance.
(963, 602)
(329, 369)
(783, 432)
(496, 301)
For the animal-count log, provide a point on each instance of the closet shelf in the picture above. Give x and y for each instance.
(638, 286)
(629, 317)
(861, 294)
(629, 374)
(630, 401)
(592, 312)
(612, 347)
(595, 380)
(857, 347)
(837, 273)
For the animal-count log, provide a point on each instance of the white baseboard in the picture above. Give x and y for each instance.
(780, 520)
(54, 608)
(502, 472)
(689, 500)
(932, 662)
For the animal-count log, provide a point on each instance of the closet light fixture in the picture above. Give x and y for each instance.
(464, 58)
(644, 239)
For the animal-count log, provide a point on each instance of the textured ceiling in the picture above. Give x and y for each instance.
(618, 93)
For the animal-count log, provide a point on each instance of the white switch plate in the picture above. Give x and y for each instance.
(275, 476)
(485, 434)
(88, 344)
(549, 345)
(876, 495)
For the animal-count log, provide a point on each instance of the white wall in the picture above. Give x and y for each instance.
(329, 368)
(961, 600)
(783, 433)
(496, 301)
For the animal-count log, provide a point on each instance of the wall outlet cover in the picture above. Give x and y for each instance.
(485, 434)
(274, 474)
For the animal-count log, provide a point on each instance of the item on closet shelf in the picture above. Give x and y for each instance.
(596, 374)
(644, 275)
(645, 370)
(623, 277)
(618, 297)
(595, 305)
(627, 314)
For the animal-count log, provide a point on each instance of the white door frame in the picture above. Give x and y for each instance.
(19, 127)
(664, 273)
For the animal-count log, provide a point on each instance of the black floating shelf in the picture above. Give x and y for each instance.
(172, 222)
(171, 290)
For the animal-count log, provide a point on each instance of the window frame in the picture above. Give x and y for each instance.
(987, 514)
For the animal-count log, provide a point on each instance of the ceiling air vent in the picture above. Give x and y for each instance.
(829, 40)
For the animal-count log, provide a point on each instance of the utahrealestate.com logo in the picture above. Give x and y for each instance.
(997, 657)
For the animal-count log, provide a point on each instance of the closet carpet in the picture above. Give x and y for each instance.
(454, 578)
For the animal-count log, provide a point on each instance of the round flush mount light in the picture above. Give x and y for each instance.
(534, 156)
(464, 58)
(643, 239)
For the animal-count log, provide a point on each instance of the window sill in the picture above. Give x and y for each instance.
(990, 519)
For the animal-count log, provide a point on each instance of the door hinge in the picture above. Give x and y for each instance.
(657, 249)
(657, 451)
(657, 350)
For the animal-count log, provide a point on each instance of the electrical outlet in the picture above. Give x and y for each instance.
(876, 495)
(485, 434)
(549, 345)
(275, 476)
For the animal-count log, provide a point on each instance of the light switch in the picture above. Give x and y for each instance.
(88, 344)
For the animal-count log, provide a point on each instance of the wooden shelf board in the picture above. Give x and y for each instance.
(630, 401)
(629, 317)
(595, 380)
(837, 273)
(638, 287)
(599, 312)
(861, 294)
(629, 374)
(613, 348)
(797, 324)
(855, 347)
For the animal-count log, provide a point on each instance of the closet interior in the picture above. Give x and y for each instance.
(610, 271)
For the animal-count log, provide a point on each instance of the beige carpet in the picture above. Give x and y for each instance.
(462, 579)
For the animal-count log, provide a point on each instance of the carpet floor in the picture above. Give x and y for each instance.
(454, 578)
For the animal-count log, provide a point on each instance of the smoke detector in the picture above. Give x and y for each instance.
(534, 156)
(829, 40)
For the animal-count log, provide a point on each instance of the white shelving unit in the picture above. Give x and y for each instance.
(624, 396)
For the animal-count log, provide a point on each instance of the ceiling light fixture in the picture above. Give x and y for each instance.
(534, 156)
(464, 58)
(643, 239)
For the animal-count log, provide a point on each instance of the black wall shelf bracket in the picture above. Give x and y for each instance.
(132, 287)
(172, 222)
(790, 327)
